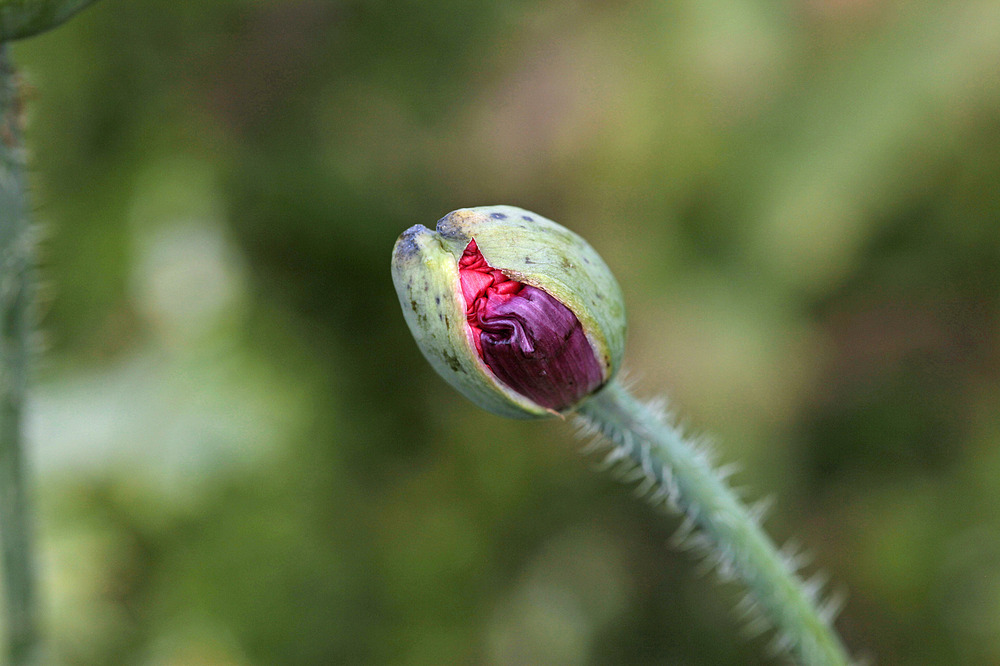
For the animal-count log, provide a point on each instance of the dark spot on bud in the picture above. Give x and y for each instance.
(528, 260)
(413, 305)
(437, 299)
(498, 216)
(527, 218)
(448, 230)
(407, 244)
(453, 362)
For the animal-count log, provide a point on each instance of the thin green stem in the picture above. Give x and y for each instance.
(677, 472)
(25, 18)
(16, 298)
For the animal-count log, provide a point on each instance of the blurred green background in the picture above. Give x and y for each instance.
(242, 457)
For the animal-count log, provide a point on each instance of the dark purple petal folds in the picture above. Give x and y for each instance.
(529, 340)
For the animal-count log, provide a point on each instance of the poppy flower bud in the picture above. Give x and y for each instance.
(515, 311)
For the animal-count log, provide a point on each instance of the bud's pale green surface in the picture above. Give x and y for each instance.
(518, 313)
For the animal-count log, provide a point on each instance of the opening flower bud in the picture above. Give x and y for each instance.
(515, 311)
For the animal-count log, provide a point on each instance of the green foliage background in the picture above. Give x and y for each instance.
(242, 457)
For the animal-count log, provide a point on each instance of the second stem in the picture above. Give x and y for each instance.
(16, 300)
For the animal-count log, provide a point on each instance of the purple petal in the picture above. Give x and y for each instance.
(537, 346)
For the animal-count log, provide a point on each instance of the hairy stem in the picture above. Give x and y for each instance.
(16, 297)
(676, 472)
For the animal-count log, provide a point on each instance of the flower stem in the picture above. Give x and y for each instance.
(16, 298)
(24, 18)
(677, 472)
